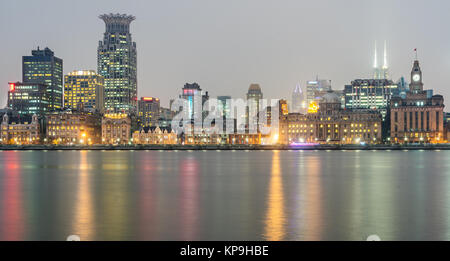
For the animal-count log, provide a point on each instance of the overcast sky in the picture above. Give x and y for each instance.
(225, 45)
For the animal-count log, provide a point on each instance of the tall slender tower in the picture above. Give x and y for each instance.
(298, 100)
(385, 68)
(117, 63)
(383, 72)
(376, 69)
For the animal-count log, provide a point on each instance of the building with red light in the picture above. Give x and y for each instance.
(28, 98)
(148, 112)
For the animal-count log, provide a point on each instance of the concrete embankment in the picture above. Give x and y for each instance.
(229, 147)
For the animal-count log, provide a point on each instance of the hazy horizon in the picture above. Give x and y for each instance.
(225, 46)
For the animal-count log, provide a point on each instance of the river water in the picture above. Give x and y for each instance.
(225, 195)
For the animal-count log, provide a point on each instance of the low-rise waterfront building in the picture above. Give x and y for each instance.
(417, 118)
(116, 128)
(155, 135)
(20, 130)
(73, 127)
(329, 123)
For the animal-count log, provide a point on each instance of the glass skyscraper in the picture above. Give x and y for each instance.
(44, 68)
(117, 62)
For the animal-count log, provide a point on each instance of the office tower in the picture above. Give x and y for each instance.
(117, 63)
(316, 89)
(190, 92)
(223, 107)
(44, 68)
(84, 88)
(148, 111)
(254, 97)
(370, 94)
(29, 98)
(417, 118)
(298, 100)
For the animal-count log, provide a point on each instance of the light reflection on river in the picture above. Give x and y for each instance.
(224, 195)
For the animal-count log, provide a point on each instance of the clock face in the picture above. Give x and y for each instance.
(416, 77)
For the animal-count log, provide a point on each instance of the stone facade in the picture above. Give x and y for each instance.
(331, 124)
(116, 129)
(23, 130)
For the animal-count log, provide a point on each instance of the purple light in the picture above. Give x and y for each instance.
(295, 144)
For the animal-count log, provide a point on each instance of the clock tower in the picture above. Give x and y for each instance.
(416, 85)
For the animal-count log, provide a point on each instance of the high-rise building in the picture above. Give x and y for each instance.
(298, 100)
(148, 111)
(223, 106)
(370, 94)
(84, 88)
(190, 92)
(316, 89)
(117, 63)
(418, 117)
(29, 98)
(254, 97)
(45, 68)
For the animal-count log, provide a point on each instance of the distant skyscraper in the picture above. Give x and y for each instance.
(316, 89)
(86, 88)
(383, 71)
(117, 63)
(43, 67)
(254, 97)
(189, 92)
(298, 100)
(223, 106)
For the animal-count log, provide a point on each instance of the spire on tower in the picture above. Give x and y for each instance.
(385, 65)
(375, 61)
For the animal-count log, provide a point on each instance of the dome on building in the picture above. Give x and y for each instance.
(331, 97)
(254, 88)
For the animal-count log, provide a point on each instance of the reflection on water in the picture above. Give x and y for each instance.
(224, 195)
(83, 218)
(275, 220)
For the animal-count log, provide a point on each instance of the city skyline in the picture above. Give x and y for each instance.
(266, 51)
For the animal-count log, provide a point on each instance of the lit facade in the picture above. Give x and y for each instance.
(28, 98)
(116, 129)
(85, 87)
(331, 124)
(148, 111)
(20, 130)
(370, 94)
(70, 128)
(117, 63)
(417, 118)
(44, 68)
(190, 92)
